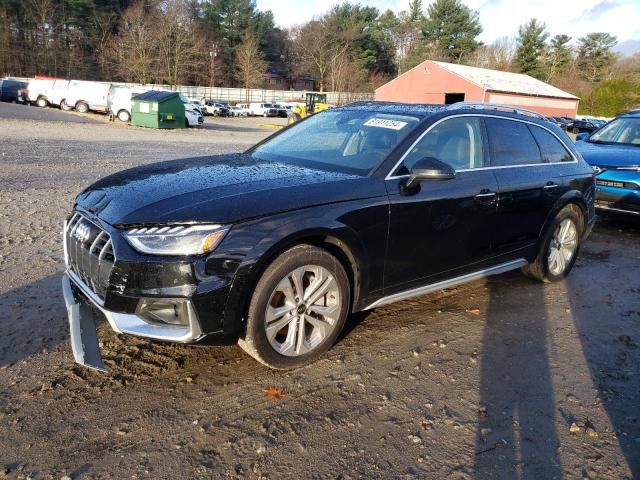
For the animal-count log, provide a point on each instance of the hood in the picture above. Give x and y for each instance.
(223, 189)
(608, 155)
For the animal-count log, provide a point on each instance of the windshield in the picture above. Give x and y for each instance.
(621, 130)
(350, 141)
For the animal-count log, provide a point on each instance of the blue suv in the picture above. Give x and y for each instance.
(614, 153)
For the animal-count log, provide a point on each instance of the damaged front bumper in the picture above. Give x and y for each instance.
(84, 340)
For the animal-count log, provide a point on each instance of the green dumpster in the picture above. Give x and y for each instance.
(157, 109)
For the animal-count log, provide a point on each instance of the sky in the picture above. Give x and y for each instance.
(499, 17)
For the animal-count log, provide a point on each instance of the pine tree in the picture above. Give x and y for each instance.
(451, 28)
(558, 58)
(595, 56)
(530, 50)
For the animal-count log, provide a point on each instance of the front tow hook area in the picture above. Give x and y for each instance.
(84, 338)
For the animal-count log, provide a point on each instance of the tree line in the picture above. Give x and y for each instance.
(350, 48)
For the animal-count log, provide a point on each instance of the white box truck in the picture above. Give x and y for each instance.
(119, 100)
(45, 91)
(85, 96)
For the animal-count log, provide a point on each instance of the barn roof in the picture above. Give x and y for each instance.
(505, 82)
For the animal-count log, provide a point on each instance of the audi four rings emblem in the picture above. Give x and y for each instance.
(82, 232)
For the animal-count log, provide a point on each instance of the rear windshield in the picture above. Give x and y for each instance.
(350, 141)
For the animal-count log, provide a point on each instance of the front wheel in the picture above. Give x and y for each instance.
(298, 308)
(560, 246)
(42, 102)
(64, 106)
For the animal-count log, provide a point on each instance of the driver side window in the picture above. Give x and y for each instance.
(456, 142)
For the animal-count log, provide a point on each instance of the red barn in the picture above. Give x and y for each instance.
(447, 83)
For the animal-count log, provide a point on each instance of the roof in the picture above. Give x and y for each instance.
(155, 96)
(505, 82)
(396, 108)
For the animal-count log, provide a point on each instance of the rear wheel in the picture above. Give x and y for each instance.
(42, 102)
(64, 106)
(559, 248)
(298, 308)
(82, 107)
(124, 116)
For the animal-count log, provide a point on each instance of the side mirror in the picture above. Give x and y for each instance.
(582, 136)
(429, 168)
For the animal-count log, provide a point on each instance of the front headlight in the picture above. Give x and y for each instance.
(180, 240)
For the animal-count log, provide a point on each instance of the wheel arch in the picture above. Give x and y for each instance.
(338, 242)
(574, 199)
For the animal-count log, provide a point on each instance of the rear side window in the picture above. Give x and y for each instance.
(552, 149)
(511, 143)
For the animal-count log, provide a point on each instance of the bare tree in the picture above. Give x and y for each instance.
(103, 24)
(135, 51)
(496, 56)
(314, 46)
(251, 67)
(181, 48)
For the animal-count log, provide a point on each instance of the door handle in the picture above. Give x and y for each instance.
(550, 186)
(485, 195)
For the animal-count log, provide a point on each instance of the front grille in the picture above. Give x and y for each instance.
(89, 253)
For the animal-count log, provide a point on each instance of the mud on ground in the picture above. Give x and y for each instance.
(505, 378)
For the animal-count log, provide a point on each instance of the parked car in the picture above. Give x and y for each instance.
(282, 110)
(239, 111)
(44, 91)
(562, 122)
(119, 100)
(262, 110)
(192, 113)
(216, 109)
(12, 90)
(614, 153)
(198, 104)
(336, 220)
(86, 96)
(582, 126)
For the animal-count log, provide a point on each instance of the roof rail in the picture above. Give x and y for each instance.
(495, 106)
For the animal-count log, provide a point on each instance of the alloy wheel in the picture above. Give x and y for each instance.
(303, 310)
(563, 247)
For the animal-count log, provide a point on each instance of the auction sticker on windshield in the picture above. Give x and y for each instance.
(385, 123)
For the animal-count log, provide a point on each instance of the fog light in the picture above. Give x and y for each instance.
(164, 311)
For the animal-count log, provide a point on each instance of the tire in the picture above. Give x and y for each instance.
(283, 347)
(544, 268)
(64, 106)
(124, 116)
(186, 123)
(42, 102)
(82, 107)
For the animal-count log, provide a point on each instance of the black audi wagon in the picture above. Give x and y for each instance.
(350, 209)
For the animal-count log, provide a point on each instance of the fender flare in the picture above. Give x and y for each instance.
(294, 232)
(573, 196)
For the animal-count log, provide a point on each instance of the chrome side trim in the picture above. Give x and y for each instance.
(395, 167)
(452, 282)
(619, 210)
(134, 325)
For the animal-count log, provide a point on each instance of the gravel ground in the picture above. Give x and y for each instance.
(504, 378)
